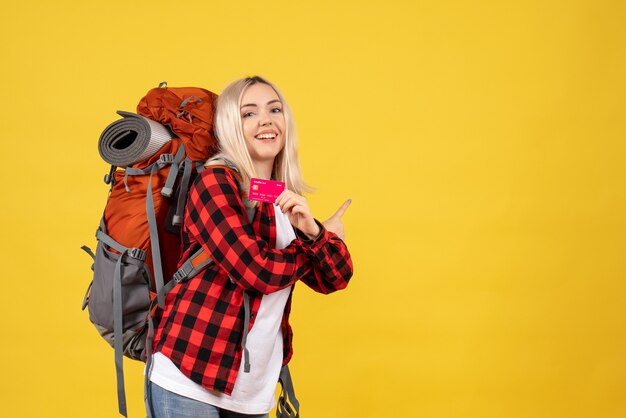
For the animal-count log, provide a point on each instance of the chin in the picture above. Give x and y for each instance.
(268, 153)
(264, 156)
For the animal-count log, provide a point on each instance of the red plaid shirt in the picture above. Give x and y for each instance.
(201, 327)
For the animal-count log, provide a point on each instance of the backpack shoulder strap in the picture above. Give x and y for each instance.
(199, 260)
(287, 396)
(223, 162)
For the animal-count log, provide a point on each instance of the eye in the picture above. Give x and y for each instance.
(247, 114)
(276, 110)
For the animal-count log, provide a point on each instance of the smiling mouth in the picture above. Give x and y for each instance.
(266, 137)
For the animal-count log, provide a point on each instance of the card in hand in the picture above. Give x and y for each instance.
(265, 190)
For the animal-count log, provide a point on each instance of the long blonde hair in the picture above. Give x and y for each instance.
(233, 147)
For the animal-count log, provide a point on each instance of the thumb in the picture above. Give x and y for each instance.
(342, 209)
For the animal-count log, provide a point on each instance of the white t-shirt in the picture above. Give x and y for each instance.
(254, 391)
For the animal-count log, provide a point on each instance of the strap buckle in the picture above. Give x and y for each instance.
(181, 275)
(110, 178)
(166, 159)
(137, 253)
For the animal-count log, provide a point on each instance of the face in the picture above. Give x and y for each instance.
(262, 122)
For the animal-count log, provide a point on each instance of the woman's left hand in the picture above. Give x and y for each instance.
(298, 212)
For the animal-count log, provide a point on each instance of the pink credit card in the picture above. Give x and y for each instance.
(265, 190)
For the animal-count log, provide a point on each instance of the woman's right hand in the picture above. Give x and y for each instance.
(334, 224)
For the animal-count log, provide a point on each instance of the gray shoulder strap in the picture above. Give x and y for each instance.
(246, 325)
(287, 397)
(246, 308)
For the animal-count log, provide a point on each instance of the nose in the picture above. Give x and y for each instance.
(264, 118)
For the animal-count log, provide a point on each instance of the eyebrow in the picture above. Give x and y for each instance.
(252, 104)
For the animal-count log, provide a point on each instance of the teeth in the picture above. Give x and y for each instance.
(266, 136)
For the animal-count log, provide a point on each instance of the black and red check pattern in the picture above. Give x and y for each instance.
(201, 326)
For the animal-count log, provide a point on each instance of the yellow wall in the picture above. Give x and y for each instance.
(483, 144)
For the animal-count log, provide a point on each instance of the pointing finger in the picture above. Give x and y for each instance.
(342, 209)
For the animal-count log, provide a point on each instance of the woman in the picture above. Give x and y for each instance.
(206, 365)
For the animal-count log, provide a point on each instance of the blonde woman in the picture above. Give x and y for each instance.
(206, 364)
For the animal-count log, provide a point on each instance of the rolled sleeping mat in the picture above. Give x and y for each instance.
(132, 139)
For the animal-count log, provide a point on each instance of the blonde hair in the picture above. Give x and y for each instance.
(233, 147)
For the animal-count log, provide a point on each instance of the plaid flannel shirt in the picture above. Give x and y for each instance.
(201, 327)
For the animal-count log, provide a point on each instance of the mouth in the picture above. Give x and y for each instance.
(266, 136)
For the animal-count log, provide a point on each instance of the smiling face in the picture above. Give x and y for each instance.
(262, 122)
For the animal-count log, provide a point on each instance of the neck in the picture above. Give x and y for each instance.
(264, 168)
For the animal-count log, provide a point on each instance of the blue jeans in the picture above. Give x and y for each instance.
(166, 404)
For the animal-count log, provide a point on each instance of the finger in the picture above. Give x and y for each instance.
(285, 195)
(291, 201)
(301, 209)
(286, 205)
(342, 209)
(282, 196)
(302, 213)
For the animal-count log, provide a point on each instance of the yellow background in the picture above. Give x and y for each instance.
(482, 143)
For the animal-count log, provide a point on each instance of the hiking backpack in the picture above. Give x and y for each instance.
(139, 241)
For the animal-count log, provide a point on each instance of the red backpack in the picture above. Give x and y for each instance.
(139, 242)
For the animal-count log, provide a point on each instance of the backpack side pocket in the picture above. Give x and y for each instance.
(130, 269)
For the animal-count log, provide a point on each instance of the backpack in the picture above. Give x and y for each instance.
(139, 241)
